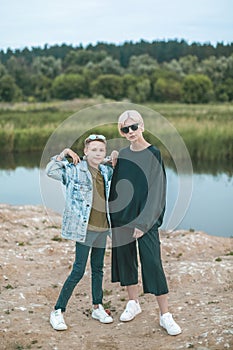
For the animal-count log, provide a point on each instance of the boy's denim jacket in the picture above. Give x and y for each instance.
(79, 192)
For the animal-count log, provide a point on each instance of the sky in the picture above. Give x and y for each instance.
(30, 23)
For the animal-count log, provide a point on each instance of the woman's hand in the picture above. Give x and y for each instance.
(137, 233)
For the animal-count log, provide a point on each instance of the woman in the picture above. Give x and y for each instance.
(137, 205)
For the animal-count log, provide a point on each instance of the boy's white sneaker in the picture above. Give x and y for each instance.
(57, 320)
(101, 315)
(132, 309)
(167, 322)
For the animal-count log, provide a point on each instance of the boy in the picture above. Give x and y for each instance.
(85, 220)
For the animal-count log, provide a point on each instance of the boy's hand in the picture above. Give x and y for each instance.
(73, 155)
(114, 157)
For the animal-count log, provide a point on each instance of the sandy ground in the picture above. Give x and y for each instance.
(34, 262)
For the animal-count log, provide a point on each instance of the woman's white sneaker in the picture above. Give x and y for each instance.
(101, 315)
(57, 320)
(167, 322)
(132, 309)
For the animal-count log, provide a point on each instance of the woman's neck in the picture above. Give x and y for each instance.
(139, 145)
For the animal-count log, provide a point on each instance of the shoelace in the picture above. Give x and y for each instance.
(59, 317)
(169, 321)
(129, 309)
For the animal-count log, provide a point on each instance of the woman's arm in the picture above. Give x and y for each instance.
(154, 206)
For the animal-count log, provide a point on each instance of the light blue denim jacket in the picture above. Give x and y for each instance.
(79, 194)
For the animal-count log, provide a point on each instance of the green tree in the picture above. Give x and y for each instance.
(20, 71)
(173, 66)
(110, 66)
(167, 90)
(188, 64)
(9, 91)
(197, 89)
(83, 57)
(185, 65)
(106, 66)
(140, 92)
(229, 88)
(142, 65)
(217, 69)
(92, 70)
(224, 91)
(49, 66)
(42, 87)
(129, 81)
(229, 68)
(165, 74)
(3, 70)
(108, 85)
(68, 86)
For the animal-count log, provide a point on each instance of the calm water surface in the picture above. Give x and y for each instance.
(210, 207)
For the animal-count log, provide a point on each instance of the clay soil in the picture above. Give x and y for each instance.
(35, 261)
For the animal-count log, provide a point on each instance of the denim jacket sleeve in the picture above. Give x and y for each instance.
(110, 172)
(58, 170)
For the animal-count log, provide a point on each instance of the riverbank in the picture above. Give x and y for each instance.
(26, 127)
(35, 262)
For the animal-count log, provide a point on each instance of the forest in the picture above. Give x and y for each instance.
(158, 71)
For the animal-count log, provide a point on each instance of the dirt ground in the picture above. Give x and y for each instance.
(34, 262)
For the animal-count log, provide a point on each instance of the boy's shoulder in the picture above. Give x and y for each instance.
(82, 164)
(106, 168)
(76, 168)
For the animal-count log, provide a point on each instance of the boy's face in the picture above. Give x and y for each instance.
(95, 152)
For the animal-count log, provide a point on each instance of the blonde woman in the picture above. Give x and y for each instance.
(137, 205)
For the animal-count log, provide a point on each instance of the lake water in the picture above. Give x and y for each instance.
(210, 207)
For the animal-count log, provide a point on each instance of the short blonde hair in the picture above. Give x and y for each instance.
(130, 114)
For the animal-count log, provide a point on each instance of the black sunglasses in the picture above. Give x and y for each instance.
(133, 127)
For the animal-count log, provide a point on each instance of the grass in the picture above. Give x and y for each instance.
(207, 130)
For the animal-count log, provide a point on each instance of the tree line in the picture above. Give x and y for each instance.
(172, 71)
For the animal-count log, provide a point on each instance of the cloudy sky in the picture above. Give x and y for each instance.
(36, 23)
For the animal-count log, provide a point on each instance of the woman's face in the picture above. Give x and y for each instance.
(132, 135)
(95, 152)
